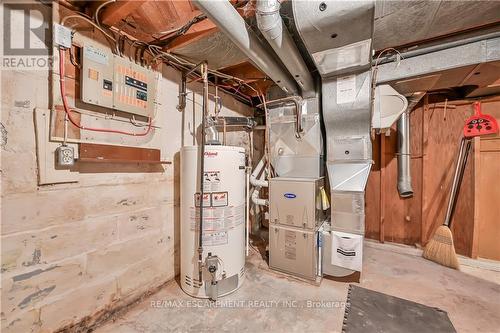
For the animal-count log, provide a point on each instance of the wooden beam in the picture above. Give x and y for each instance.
(115, 12)
(96, 153)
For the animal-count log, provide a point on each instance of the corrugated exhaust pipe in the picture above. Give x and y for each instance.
(271, 25)
(404, 154)
(227, 19)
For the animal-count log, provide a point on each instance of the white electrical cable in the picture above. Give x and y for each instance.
(63, 21)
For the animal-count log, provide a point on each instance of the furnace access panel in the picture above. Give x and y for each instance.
(117, 83)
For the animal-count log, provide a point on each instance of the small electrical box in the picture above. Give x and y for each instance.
(65, 156)
(117, 83)
(62, 36)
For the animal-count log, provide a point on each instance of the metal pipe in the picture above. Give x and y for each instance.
(223, 14)
(404, 175)
(298, 102)
(435, 48)
(182, 93)
(247, 197)
(403, 151)
(212, 135)
(204, 75)
(270, 23)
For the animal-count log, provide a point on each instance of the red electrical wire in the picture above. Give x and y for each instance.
(68, 111)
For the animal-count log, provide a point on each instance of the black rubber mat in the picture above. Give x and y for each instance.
(371, 311)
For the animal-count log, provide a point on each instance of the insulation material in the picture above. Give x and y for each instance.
(216, 48)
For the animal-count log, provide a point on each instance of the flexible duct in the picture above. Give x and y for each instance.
(271, 25)
(404, 154)
(223, 14)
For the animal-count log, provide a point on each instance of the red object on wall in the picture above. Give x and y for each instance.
(480, 124)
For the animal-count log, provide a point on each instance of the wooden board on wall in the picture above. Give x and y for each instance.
(445, 133)
(434, 143)
(488, 192)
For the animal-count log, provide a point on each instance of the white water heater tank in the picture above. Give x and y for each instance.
(223, 218)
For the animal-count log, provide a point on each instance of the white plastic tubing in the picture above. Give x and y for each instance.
(258, 182)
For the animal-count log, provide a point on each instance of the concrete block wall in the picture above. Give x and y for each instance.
(72, 252)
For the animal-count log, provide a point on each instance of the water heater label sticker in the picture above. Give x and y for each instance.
(206, 199)
(218, 218)
(211, 181)
(215, 238)
(346, 89)
(219, 199)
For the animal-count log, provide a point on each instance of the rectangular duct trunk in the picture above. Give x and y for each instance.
(347, 116)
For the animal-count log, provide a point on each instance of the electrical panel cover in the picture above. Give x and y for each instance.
(97, 75)
(117, 83)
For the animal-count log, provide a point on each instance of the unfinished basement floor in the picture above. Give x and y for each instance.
(471, 298)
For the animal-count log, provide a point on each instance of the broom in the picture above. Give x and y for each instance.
(440, 248)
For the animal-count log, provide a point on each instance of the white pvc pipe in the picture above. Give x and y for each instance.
(248, 211)
(255, 195)
(253, 177)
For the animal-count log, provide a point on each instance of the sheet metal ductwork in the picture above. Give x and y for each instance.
(271, 25)
(223, 14)
(404, 154)
(404, 173)
(338, 35)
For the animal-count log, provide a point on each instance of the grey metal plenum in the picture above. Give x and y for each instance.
(404, 154)
(298, 103)
(293, 156)
(223, 14)
(271, 25)
(349, 150)
(337, 33)
(454, 57)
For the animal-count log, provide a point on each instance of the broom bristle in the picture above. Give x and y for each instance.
(441, 249)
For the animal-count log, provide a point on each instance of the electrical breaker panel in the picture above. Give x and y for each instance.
(117, 83)
(134, 88)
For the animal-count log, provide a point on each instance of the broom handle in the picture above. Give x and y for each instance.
(456, 181)
(451, 199)
(461, 176)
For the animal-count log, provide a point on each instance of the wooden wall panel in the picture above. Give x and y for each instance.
(434, 144)
(445, 133)
(488, 192)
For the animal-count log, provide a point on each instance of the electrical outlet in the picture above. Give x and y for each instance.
(65, 156)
